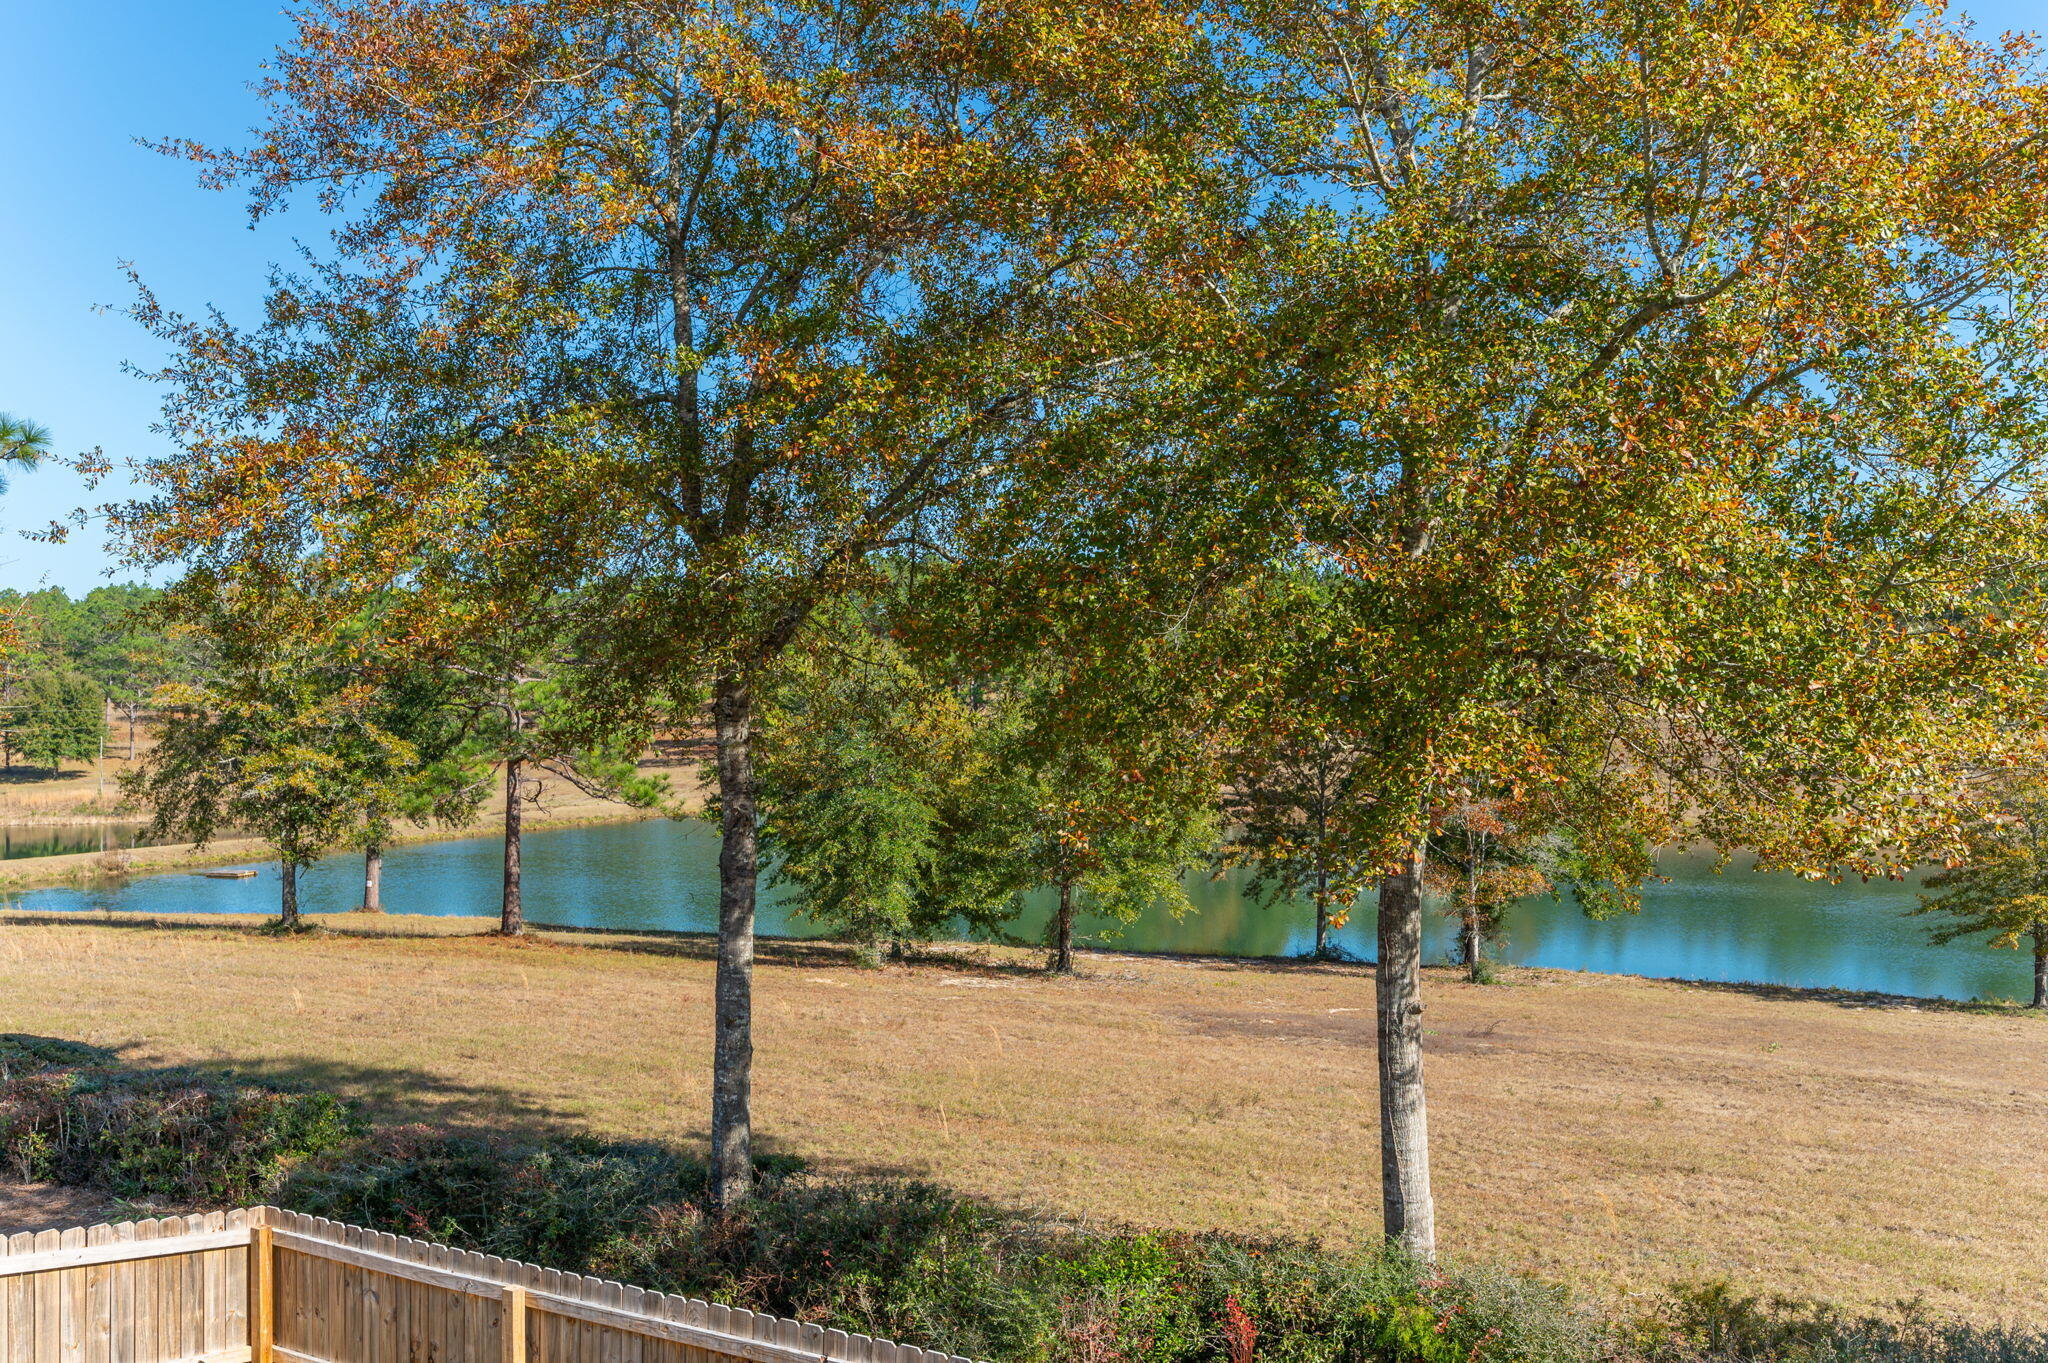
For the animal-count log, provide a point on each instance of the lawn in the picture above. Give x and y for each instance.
(1620, 1133)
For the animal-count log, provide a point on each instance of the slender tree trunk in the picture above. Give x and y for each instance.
(511, 915)
(1473, 943)
(131, 734)
(2040, 968)
(373, 879)
(732, 1060)
(1404, 1115)
(1062, 962)
(1322, 914)
(288, 902)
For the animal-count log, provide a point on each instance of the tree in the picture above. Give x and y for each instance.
(284, 745)
(1288, 795)
(1292, 790)
(1660, 477)
(538, 721)
(2001, 891)
(56, 715)
(1111, 836)
(1670, 433)
(907, 784)
(23, 443)
(872, 775)
(441, 782)
(690, 314)
(129, 652)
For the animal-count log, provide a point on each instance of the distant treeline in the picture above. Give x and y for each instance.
(75, 661)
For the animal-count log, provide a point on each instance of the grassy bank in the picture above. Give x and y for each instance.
(1621, 1133)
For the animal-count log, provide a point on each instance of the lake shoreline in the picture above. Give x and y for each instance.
(126, 863)
(942, 952)
(599, 866)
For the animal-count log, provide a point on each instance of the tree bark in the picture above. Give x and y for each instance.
(732, 1060)
(511, 914)
(1409, 1212)
(288, 901)
(1474, 946)
(373, 879)
(2040, 968)
(1322, 914)
(1062, 962)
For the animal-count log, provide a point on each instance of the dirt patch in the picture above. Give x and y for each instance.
(49, 1206)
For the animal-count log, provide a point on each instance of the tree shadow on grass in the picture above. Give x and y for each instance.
(391, 1095)
(395, 1096)
(1857, 998)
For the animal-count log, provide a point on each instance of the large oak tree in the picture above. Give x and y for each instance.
(684, 312)
(1664, 384)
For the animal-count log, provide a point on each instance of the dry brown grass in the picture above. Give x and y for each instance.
(1618, 1132)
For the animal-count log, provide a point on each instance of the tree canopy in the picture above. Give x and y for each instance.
(1653, 397)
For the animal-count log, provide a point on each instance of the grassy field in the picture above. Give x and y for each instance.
(1620, 1133)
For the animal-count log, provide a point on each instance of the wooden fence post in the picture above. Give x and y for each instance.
(261, 1257)
(512, 1325)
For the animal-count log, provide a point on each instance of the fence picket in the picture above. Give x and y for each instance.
(341, 1294)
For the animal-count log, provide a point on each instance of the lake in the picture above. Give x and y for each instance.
(57, 839)
(1733, 925)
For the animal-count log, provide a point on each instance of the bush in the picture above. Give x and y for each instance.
(177, 1135)
(558, 1202)
(21, 1053)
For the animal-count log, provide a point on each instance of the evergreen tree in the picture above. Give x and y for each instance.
(2001, 892)
(57, 715)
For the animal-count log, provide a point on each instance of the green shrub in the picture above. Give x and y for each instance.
(21, 1054)
(555, 1202)
(187, 1137)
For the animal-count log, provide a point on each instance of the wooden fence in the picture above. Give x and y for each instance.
(269, 1286)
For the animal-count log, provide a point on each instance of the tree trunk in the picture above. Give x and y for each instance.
(1322, 914)
(288, 902)
(2040, 968)
(1062, 962)
(1472, 944)
(1404, 1117)
(373, 879)
(131, 735)
(511, 916)
(732, 1059)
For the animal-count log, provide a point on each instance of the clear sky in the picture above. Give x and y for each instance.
(85, 79)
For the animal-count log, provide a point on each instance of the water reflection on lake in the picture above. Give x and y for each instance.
(60, 839)
(1734, 925)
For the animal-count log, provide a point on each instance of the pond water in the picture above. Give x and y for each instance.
(1734, 925)
(58, 839)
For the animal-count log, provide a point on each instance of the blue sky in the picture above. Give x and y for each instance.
(84, 80)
